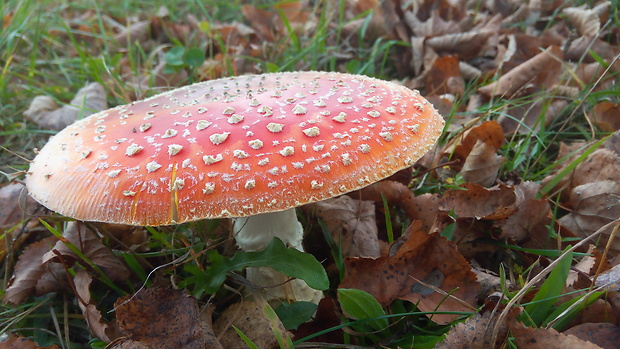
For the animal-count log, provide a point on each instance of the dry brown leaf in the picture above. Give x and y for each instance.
(45, 113)
(432, 26)
(133, 32)
(100, 328)
(444, 77)
(605, 335)
(489, 132)
(532, 216)
(18, 342)
(250, 318)
(606, 115)
(609, 278)
(475, 333)
(586, 21)
(466, 45)
(540, 338)
(15, 204)
(474, 201)
(482, 165)
(352, 223)
(594, 205)
(92, 247)
(541, 70)
(415, 271)
(161, 318)
(28, 270)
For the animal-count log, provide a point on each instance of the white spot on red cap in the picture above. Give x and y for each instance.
(202, 110)
(386, 135)
(340, 117)
(152, 166)
(235, 119)
(312, 131)
(250, 184)
(274, 127)
(133, 149)
(169, 133)
(129, 193)
(209, 188)
(346, 159)
(263, 161)
(202, 124)
(319, 103)
(299, 109)
(255, 144)
(374, 114)
(177, 184)
(218, 138)
(210, 159)
(174, 149)
(240, 154)
(287, 151)
(228, 111)
(145, 126)
(364, 148)
(316, 184)
(345, 99)
(114, 173)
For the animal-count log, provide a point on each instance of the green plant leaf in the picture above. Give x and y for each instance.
(194, 57)
(540, 306)
(282, 336)
(359, 305)
(287, 261)
(245, 338)
(174, 56)
(294, 314)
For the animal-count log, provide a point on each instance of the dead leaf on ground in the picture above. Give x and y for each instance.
(489, 132)
(482, 165)
(474, 201)
(606, 115)
(541, 70)
(28, 271)
(422, 270)
(476, 333)
(18, 342)
(531, 219)
(352, 223)
(252, 319)
(44, 112)
(92, 247)
(444, 77)
(605, 335)
(540, 338)
(161, 318)
(594, 205)
(99, 327)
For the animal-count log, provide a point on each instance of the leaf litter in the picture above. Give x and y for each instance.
(454, 241)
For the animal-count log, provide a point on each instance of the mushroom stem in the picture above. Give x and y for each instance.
(254, 234)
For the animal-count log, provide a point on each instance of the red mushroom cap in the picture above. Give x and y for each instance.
(233, 147)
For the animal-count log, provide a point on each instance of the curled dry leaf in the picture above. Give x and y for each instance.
(482, 164)
(474, 201)
(45, 113)
(92, 247)
(594, 205)
(606, 115)
(252, 318)
(541, 70)
(28, 270)
(15, 204)
(161, 318)
(444, 77)
(475, 333)
(541, 338)
(422, 269)
(604, 335)
(93, 317)
(489, 132)
(466, 45)
(352, 222)
(18, 342)
(531, 219)
(586, 21)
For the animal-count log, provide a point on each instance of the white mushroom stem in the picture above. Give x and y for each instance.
(254, 234)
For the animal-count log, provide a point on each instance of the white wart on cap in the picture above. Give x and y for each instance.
(233, 147)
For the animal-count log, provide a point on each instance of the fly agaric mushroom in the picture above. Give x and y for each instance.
(252, 147)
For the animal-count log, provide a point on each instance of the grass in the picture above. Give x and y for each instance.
(48, 48)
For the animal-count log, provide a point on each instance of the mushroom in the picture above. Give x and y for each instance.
(250, 147)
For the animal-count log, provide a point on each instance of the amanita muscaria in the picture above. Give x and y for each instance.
(250, 147)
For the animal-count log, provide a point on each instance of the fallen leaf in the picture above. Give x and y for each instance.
(475, 333)
(585, 20)
(444, 77)
(161, 318)
(422, 270)
(606, 115)
(18, 342)
(15, 204)
(540, 338)
(531, 220)
(605, 335)
(474, 201)
(92, 247)
(352, 223)
(44, 112)
(482, 165)
(594, 205)
(100, 328)
(250, 317)
(489, 132)
(541, 70)
(28, 270)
